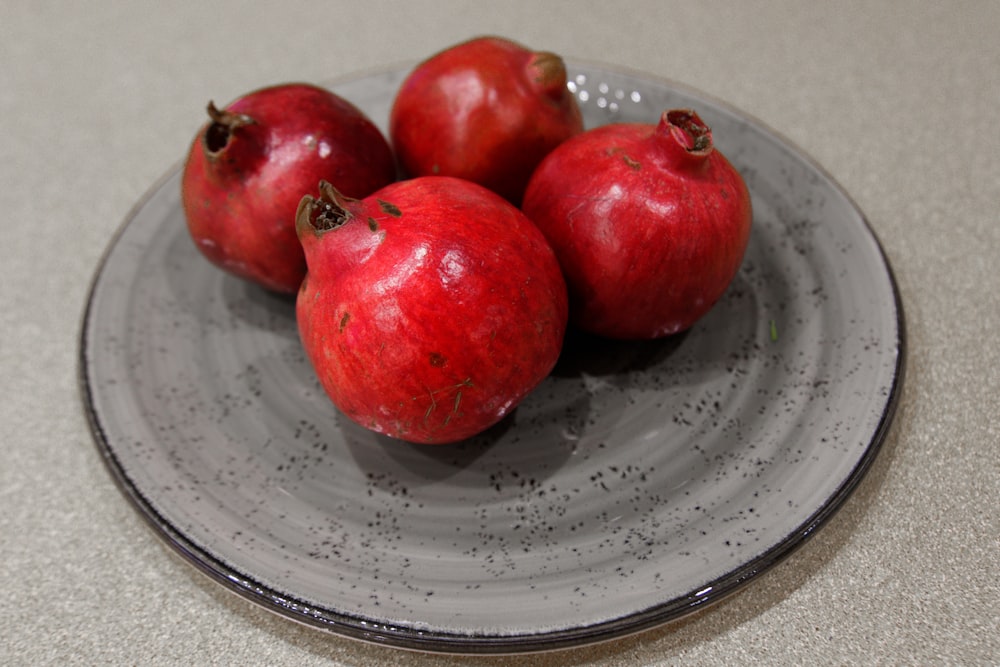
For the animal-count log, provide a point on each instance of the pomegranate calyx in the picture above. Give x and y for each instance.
(548, 72)
(688, 130)
(318, 215)
(220, 130)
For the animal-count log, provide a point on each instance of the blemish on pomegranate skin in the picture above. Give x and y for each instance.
(372, 224)
(632, 164)
(390, 208)
(437, 360)
(612, 151)
(343, 321)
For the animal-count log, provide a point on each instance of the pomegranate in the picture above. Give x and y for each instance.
(487, 110)
(650, 224)
(430, 308)
(252, 162)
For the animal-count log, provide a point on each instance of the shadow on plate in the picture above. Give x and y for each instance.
(554, 423)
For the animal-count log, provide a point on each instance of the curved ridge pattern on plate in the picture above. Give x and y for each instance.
(637, 483)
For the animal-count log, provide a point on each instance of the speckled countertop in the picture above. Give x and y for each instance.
(896, 100)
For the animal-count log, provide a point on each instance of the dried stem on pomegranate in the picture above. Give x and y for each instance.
(220, 130)
(324, 213)
(550, 73)
(689, 130)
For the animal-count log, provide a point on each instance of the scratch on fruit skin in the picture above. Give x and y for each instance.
(433, 393)
(583, 201)
(454, 410)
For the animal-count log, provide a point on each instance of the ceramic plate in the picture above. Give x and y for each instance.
(636, 484)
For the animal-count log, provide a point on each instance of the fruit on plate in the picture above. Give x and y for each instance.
(430, 308)
(487, 110)
(251, 163)
(650, 223)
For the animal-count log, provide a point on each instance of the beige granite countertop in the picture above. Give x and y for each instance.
(897, 100)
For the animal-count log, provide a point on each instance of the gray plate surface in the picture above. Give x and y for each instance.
(636, 484)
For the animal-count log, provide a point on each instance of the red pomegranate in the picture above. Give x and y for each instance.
(249, 166)
(430, 308)
(487, 110)
(650, 224)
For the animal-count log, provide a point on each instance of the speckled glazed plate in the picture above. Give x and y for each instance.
(635, 485)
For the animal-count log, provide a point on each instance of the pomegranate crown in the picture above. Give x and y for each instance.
(319, 215)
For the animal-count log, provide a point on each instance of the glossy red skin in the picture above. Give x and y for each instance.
(240, 201)
(487, 110)
(649, 232)
(431, 325)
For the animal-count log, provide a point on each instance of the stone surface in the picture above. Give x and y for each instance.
(895, 101)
